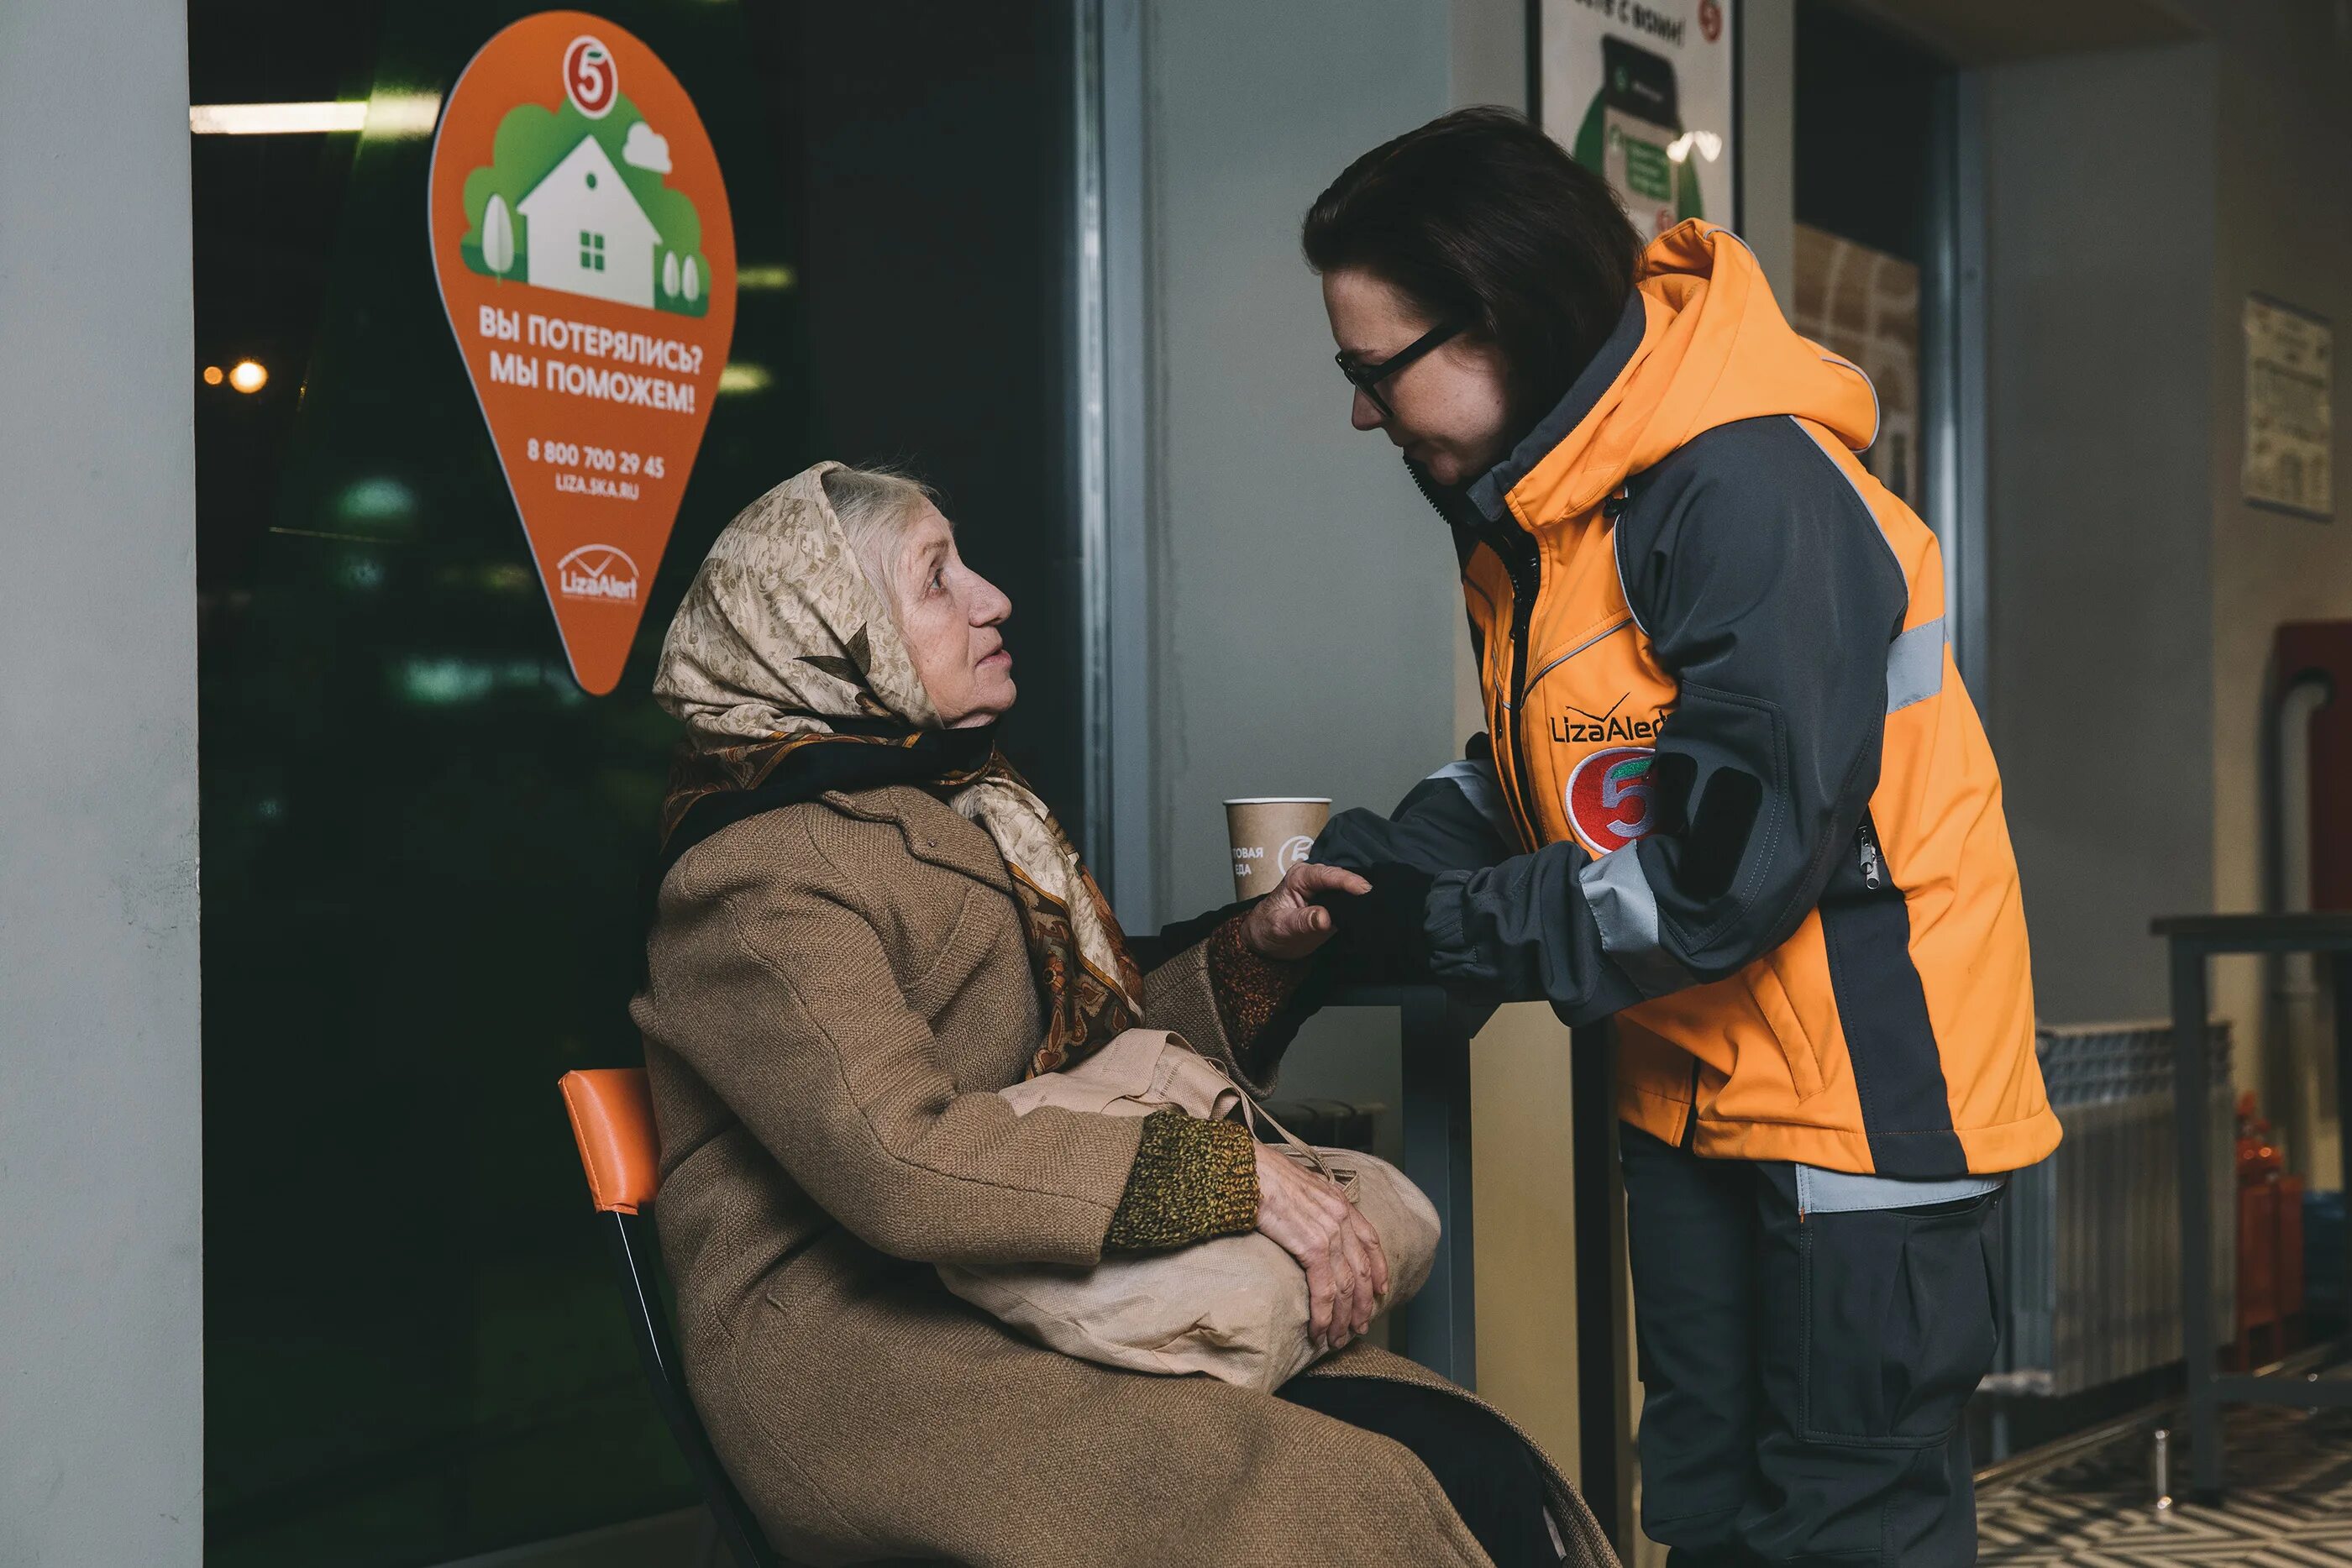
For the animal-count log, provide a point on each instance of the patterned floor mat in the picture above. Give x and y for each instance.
(2289, 1503)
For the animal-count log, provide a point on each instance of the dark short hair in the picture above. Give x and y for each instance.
(1482, 220)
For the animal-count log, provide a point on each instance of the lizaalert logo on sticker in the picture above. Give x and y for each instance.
(586, 257)
(598, 571)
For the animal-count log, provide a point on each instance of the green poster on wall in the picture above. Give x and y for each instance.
(1641, 92)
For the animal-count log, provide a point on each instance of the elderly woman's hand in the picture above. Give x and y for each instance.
(1307, 1216)
(1287, 924)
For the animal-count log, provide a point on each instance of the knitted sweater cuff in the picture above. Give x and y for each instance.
(1192, 1180)
(1250, 991)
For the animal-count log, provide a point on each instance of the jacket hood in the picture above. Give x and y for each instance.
(1702, 343)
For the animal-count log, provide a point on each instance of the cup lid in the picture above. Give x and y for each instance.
(1281, 800)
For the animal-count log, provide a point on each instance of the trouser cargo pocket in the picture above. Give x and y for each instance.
(1899, 1320)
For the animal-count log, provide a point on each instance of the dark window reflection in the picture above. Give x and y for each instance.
(422, 843)
(1865, 142)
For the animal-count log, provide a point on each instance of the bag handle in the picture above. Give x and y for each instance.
(1253, 1113)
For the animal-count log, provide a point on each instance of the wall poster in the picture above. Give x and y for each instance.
(586, 258)
(1641, 91)
(2290, 417)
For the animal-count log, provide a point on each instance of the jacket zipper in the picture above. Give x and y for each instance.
(1690, 1121)
(1523, 563)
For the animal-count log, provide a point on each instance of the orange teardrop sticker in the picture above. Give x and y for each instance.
(586, 257)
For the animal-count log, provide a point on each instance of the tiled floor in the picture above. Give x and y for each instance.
(2289, 1504)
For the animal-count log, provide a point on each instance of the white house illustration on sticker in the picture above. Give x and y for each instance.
(587, 235)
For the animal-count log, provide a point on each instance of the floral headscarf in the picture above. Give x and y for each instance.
(791, 679)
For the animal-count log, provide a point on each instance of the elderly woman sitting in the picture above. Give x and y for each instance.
(868, 925)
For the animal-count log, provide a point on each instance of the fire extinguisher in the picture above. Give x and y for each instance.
(2269, 1242)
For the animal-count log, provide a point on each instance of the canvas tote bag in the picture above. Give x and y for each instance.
(1235, 1307)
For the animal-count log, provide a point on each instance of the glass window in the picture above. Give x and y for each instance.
(422, 843)
(1890, 225)
(1865, 142)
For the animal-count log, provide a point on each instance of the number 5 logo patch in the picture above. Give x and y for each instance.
(1607, 797)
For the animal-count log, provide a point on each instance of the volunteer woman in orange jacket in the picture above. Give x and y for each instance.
(1731, 793)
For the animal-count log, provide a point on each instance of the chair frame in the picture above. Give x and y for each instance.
(632, 1252)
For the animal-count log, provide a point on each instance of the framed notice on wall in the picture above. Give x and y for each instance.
(1642, 90)
(2290, 415)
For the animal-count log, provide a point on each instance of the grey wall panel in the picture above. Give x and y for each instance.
(2099, 175)
(101, 1437)
(1304, 596)
(2284, 222)
(1490, 52)
(1768, 137)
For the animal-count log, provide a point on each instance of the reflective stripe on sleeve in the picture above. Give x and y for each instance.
(1618, 890)
(1915, 665)
(1484, 790)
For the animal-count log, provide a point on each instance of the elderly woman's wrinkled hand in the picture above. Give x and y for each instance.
(1288, 924)
(1308, 1217)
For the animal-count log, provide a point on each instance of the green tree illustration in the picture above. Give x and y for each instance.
(530, 142)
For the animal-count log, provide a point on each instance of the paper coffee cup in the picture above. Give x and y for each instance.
(1270, 834)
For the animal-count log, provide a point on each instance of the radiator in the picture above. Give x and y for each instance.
(2094, 1231)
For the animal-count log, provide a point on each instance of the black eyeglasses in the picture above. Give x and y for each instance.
(1367, 379)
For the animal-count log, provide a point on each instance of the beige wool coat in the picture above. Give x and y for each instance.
(837, 989)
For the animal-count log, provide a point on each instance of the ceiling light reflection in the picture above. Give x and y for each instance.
(403, 113)
(274, 119)
(1709, 145)
(385, 114)
(454, 680)
(375, 499)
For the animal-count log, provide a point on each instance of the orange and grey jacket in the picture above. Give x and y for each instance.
(1731, 789)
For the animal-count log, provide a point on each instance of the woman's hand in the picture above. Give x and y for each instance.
(1307, 1216)
(1284, 926)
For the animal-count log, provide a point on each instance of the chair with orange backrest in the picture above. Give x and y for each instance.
(613, 1118)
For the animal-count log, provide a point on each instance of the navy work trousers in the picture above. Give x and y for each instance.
(1803, 1375)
